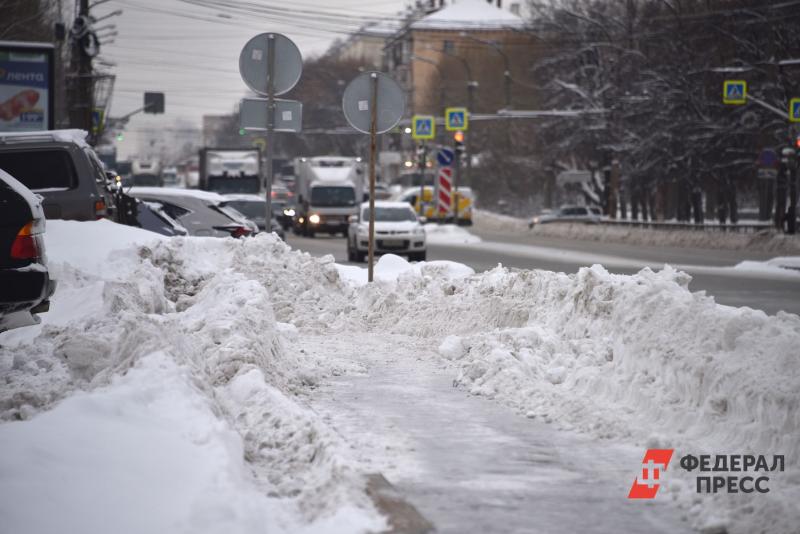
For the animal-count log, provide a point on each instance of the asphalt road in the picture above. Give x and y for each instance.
(707, 267)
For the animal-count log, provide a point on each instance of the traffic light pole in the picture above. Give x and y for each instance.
(422, 156)
(454, 191)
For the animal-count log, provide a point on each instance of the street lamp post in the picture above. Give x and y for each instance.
(441, 78)
(506, 64)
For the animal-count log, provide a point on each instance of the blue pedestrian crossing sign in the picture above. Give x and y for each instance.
(423, 127)
(734, 92)
(456, 119)
(794, 110)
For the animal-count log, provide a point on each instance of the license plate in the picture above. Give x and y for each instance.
(392, 242)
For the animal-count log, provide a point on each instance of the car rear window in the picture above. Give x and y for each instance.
(41, 170)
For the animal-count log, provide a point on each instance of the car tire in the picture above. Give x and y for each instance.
(361, 257)
(418, 256)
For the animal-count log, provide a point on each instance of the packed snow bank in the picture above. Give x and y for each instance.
(146, 453)
(389, 268)
(447, 234)
(785, 265)
(637, 359)
(213, 323)
(767, 240)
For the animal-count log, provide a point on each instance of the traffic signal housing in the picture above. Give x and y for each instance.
(458, 140)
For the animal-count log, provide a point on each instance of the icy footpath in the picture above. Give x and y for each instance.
(178, 389)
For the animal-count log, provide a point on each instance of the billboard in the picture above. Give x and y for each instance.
(26, 86)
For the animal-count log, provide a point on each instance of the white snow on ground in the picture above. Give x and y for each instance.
(768, 240)
(638, 360)
(165, 378)
(389, 268)
(783, 265)
(447, 234)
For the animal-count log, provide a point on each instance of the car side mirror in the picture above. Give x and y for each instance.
(352, 219)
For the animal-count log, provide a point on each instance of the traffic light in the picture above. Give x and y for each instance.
(120, 137)
(242, 131)
(458, 139)
(797, 142)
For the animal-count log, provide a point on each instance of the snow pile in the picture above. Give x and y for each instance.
(174, 322)
(767, 240)
(637, 359)
(207, 325)
(389, 268)
(495, 221)
(447, 234)
(785, 265)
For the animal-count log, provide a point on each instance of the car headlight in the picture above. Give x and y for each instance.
(535, 220)
(314, 219)
(419, 230)
(289, 212)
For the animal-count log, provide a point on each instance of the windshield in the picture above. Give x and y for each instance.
(332, 196)
(252, 209)
(390, 214)
(146, 180)
(229, 185)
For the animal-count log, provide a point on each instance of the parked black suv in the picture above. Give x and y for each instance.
(25, 284)
(61, 167)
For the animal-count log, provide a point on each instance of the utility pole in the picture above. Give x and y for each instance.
(81, 93)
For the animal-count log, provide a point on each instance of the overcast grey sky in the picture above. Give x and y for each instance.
(190, 49)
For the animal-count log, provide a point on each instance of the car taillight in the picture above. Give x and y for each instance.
(240, 231)
(25, 245)
(100, 209)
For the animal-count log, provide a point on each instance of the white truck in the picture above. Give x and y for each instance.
(230, 170)
(328, 190)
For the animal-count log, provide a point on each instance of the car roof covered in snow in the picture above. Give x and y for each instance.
(249, 197)
(63, 136)
(208, 196)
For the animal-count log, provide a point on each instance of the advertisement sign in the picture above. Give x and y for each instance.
(26, 86)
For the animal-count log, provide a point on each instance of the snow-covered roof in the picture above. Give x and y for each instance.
(382, 28)
(469, 14)
(208, 196)
(64, 136)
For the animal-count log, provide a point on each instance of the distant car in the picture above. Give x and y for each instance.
(25, 284)
(397, 231)
(577, 214)
(254, 207)
(61, 167)
(201, 213)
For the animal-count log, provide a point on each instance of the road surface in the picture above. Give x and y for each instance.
(709, 268)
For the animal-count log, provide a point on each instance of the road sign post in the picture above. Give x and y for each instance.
(373, 103)
(270, 64)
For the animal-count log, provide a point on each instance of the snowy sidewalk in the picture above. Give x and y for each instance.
(469, 464)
